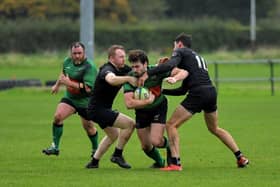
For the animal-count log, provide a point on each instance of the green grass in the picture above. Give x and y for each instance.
(245, 109)
(252, 118)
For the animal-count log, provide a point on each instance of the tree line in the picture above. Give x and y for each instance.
(126, 11)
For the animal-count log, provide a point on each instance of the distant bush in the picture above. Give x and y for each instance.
(208, 34)
(34, 35)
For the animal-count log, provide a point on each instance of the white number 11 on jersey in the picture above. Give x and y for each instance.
(201, 63)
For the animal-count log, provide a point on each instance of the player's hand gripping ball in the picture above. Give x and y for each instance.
(141, 93)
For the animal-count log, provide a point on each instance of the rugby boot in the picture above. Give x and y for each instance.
(172, 167)
(51, 150)
(92, 164)
(120, 161)
(242, 162)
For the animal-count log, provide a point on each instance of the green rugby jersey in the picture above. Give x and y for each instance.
(153, 84)
(85, 73)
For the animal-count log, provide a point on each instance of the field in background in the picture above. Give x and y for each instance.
(47, 66)
(26, 115)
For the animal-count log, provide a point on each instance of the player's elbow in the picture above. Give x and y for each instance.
(184, 74)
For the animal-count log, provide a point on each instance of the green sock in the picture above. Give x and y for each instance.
(94, 140)
(154, 154)
(57, 131)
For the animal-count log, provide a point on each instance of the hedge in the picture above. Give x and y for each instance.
(29, 36)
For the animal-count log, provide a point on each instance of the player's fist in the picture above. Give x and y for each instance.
(163, 60)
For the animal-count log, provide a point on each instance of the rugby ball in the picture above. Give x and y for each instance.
(141, 93)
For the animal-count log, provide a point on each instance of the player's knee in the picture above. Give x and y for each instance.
(88, 126)
(170, 125)
(213, 130)
(114, 136)
(90, 129)
(146, 148)
(132, 125)
(57, 119)
(156, 141)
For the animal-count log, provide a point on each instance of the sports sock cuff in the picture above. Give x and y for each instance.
(58, 125)
(95, 161)
(176, 161)
(166, 143)
(149, 151)
(238, 154)
(96, 134)
(118, 152)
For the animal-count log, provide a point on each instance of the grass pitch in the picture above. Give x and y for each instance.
(246, 110)
(252, 118)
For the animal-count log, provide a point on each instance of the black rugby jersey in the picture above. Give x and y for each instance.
(186, 59)
(103, 93)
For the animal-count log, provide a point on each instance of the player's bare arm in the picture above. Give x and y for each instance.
(114, 80)
(177, 75)
(65, 80)
(162, 60)
(132, 103)
(55, 87)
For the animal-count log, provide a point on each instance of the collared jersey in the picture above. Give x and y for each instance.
(84, 73)
(153, 84)
(104, 93)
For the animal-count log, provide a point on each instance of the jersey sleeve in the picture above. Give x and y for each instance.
(168, 66)
(65, 62)
(104, 71)
(128, 88)
(90, 75)
(160, 75)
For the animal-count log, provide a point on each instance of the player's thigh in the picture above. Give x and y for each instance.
(124, 122)
(179, 116)
(144, 137)
(63, 110)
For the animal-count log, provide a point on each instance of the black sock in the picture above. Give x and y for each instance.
(238, 154)
(118, 152)
(176, 161)
(94, 161)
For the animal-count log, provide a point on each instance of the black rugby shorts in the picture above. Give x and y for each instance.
(144, 118)
(81, 111)
(104, 117)
(201, 98)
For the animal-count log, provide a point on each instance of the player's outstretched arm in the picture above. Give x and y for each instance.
(177, 75)
(55, 87)
(114, 80)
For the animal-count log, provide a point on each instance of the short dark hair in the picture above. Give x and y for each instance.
(77, 44)
(113, 48)
(137, 55)
(185, 39)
